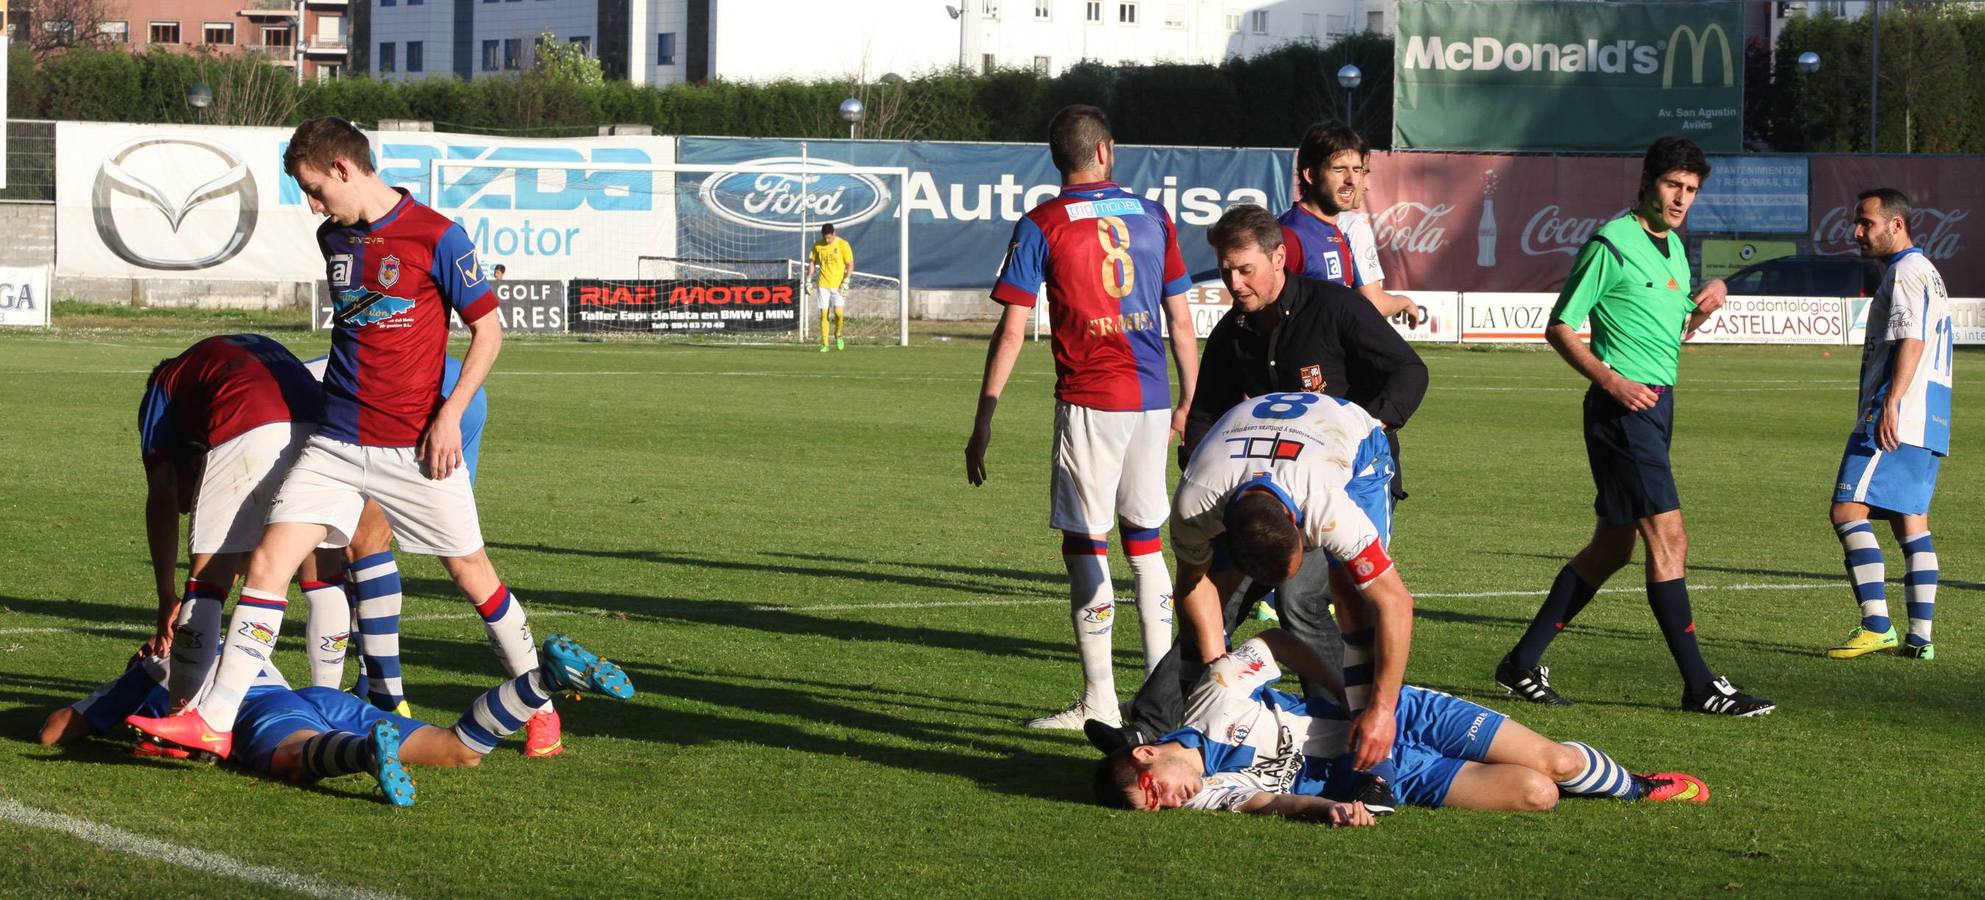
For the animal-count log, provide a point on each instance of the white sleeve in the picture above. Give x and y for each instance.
(1198, 516)
(1331, 521)
(1227, 791)
(1226, 691)
(1364, 249)
(1906, 319)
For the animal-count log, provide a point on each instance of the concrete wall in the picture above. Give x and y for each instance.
(30, 231)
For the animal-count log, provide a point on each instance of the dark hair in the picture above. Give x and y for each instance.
(1073, 135)
(1894, 204)
(827, 228)
(1669, 154)
(1321, 142)
(325, 140)
(1114, 775)
(1261, 537)
(499, 267)
(1245, 223)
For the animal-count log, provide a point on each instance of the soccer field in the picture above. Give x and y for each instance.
(835, 637)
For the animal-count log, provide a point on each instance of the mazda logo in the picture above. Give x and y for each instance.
(174, 177)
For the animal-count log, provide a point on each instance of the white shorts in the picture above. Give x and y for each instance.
(330, 481)
(1109, 466)
(830, 297)
(240, 482)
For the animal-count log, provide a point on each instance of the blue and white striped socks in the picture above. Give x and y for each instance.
(375, 590)
(1602, 777)
(335, 753)
(502, 710)
(1866, 571)
(1920, 582)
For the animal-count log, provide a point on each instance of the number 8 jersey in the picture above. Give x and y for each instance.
(1325, 457)
(1108, 258)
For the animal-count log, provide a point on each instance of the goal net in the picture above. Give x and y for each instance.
(720, 251)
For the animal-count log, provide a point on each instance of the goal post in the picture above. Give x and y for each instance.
(710, 243)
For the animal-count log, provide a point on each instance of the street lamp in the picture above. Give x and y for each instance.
(1809, 63)
(199, 96)
(1350, 76)
(851, 112)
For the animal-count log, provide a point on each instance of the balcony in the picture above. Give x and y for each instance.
(325, 45)
(327, 4)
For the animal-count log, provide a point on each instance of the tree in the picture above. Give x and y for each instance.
(564, 63)
(54, 25)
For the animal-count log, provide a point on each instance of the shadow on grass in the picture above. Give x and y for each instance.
(976, 584)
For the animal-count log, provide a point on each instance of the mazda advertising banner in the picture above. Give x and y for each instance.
(683, 306)
(963, 200)
(143, 201)
(1497, 75)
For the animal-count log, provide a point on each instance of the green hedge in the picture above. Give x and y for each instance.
(1932, 97)
(1264, 101)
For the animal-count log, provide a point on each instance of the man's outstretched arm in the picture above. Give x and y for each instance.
(1314, 809)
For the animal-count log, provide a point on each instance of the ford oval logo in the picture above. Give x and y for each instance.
(777, 201)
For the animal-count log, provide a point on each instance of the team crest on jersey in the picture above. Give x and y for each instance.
(1237, 733)
(259, 633)
(336, 643)
(389, 271)
(1313, 378)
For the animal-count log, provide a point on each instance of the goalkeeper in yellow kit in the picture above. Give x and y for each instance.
(829, 266)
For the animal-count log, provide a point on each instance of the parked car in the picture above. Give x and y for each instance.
(1807, 276)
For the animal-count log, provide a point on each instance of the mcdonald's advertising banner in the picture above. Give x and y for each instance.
(1496, 75)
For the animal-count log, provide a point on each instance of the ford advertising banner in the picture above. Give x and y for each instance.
(1497, 75)
(962, 199)
(142, 201)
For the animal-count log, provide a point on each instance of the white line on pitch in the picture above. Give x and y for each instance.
(423, 617)
(198, 860)
(1431, 595)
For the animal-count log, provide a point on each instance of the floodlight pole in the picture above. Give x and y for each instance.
(1875, 76)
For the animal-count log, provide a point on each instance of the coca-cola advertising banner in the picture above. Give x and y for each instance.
(1946, 194)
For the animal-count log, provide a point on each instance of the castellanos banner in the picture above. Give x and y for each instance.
(1500, 75)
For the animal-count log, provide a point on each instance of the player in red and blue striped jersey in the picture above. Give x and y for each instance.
(397, 269)
(218, 428)
(1330, 162)
(1109, 262)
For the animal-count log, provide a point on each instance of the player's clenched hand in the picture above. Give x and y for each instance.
(1632, 394)
(975, 454)
(1711, 296)
(1371, 737)
(1415, 316)
(1178, 422)
(1886, 435)
(440, 447)
(156, 646)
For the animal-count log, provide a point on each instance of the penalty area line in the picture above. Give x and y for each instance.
(1429, 595)
(198, 860)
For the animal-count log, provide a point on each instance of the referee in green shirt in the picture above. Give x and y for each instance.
(1632, 281)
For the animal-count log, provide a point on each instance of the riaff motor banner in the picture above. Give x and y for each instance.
(1497, 75)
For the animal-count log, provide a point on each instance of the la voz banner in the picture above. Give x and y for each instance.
(963, 200)
(1498, 75)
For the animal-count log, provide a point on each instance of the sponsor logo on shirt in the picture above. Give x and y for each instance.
(1096, 209)
(341, 270)
(470, 267)
(358, 309)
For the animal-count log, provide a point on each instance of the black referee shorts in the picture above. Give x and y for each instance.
(1628, 451)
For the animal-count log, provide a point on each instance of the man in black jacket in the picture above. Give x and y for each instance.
(1284, 333)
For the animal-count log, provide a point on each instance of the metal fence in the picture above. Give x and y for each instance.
(30, 161)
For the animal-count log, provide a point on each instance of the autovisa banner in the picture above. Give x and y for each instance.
(679, 306)
(145, 201)
(962, 198)
(1947, 220)
(1496, 75)
(520, 306)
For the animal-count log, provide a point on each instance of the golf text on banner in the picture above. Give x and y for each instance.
(1496, 75)
(24, 296)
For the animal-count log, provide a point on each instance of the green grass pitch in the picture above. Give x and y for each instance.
(835, 638)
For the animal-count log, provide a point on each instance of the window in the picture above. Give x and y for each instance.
(584, 43)
(492, 55)
(1312, 26)
(1375, 21)
(1127, 13)
(992, 9)
(1258, 21)
(513, 53)
(987, 65)
(218, 34)
(665, 49)
(165, 32)
(1041, 65)
(1338, 24)
(1092, 11)
(1233, 21)
(1175, 15)
(416, 56)
(415, 2)
(276, 37)
(114, 32)
(387, 57)
(1044, 9)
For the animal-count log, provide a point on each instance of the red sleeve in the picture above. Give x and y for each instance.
(1292, 250)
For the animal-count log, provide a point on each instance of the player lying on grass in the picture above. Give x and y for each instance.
(1247, 747)
(321, 733)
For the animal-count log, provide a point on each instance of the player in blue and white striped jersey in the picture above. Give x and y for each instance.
(1246, 747)
(1902, 431)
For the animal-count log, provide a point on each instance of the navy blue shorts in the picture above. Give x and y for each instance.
(1628, 451)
